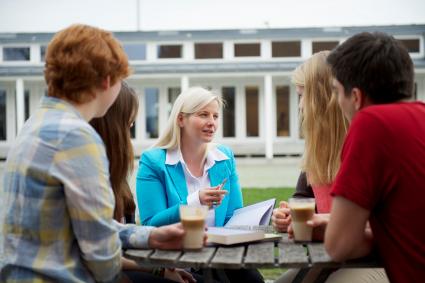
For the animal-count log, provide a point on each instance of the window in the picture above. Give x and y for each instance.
(43, 53)
(27, 104)
(286, 49)
(251, 106)
(229, 112)
(282, 111)
(135, 51)
(133, 130)
(412, 45)
(415, 92)
(247, 49)
(208, 50)
(16, 54)
(323, 45)
(169, 51)
(151, 110)
(2, 114)
(173, 93)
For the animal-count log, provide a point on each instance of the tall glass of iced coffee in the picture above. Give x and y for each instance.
(302, 210)
(193, 221)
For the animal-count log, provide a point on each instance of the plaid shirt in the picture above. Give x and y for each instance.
(57, 204)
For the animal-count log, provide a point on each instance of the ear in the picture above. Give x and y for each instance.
(358, 97)
(106, 83)
(180, 120)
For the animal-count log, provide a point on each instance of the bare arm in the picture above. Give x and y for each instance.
(346, 236)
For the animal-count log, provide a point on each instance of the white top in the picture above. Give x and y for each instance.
(194, 184)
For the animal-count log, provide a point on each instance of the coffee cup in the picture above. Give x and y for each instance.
(193, 221)
(302, 210)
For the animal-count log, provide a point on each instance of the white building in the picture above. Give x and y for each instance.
(251, 68)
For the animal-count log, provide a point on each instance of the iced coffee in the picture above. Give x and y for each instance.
(302, 210)
(193, 221)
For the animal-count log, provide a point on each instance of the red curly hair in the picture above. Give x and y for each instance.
(79, 58)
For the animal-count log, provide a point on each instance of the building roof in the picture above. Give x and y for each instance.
(240, 34)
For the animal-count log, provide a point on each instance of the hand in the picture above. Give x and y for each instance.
(211, 196)
(168, 237)
(179, 275)
(318, 222)
(281, 217)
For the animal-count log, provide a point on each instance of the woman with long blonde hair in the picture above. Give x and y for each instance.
(324, 128)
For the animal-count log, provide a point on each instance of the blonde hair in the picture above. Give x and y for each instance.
(322, 122)
(188, 102)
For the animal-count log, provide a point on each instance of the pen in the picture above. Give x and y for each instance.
(222, 184)
(219, 188)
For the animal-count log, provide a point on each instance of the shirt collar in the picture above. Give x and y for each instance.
(174, 156)
(61, 104)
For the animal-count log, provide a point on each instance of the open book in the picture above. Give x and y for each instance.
(226, 236)
(253, 215)
(230, 236)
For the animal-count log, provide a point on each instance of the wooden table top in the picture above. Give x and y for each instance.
(283, 253)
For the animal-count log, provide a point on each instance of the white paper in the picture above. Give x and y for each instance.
(253, 215)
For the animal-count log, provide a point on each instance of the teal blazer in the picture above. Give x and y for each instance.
(161, 188)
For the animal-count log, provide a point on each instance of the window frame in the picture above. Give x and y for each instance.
(259, 56)
(414, 55)
(178, 59)
(16, 45)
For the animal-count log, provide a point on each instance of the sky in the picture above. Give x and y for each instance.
(160, 15)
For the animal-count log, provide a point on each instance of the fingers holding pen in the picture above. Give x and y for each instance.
(212, 196)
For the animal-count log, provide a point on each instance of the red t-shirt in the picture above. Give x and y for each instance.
(383, 170)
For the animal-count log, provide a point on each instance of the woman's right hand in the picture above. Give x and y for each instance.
(211, 196)
(281, 217)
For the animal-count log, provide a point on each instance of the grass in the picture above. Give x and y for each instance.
(253, 195)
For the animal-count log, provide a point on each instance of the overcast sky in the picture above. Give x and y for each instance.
(130, 15)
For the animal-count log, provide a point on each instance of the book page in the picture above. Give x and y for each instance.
(253, 215)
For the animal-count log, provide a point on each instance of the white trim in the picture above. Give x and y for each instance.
(35, 57)
(294, 129)
(151, 53)
(240, 115)
(228, 53)
(20, 104)
(162, 108)
(306, 48)
(268, 102)
(184, 83)
(240, 120)
(188, 51)
(266, 49)
(10, 114)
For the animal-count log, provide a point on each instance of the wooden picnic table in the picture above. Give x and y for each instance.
(281, 253)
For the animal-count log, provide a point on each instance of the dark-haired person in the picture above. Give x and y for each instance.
(114, 129)
(56, 210)
(382, 172)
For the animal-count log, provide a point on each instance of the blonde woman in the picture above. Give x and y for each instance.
(324, 128)
(185, 167)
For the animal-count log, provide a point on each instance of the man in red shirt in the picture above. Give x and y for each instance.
(382, 173)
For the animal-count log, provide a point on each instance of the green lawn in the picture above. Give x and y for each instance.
(253, 195)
